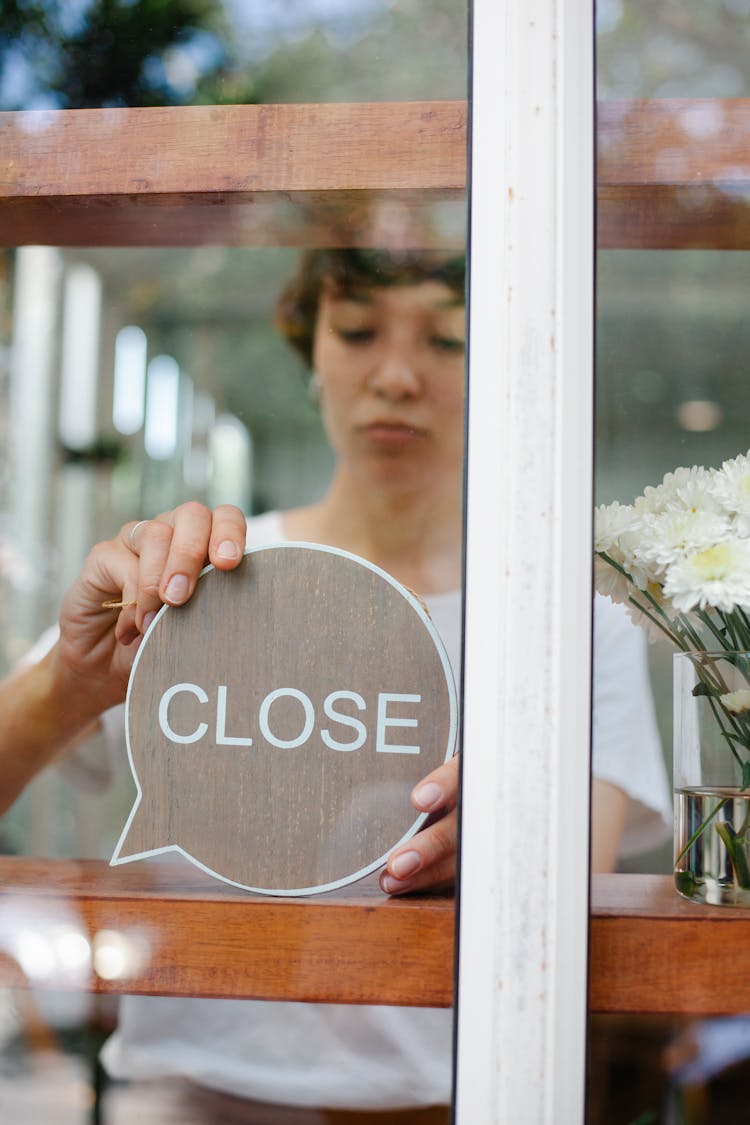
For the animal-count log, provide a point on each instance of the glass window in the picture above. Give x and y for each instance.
(671, 286)
(148, 359)
(229, 52)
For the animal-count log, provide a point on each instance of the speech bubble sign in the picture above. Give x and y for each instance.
(277, 723)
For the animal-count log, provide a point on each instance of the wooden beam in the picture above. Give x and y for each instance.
(332, 174)
(674, 174)
(165, 928)
(177, 932)
(653, 951)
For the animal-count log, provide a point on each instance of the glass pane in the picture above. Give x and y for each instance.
(294, 352)
(671, 340)
(57, 55)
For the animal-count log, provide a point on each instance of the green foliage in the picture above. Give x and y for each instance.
(674, 48)
(159, 52)
(685, 883)
(116, 53)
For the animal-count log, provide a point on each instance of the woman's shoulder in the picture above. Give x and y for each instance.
(265, 529)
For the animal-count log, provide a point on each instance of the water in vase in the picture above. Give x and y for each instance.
(712, 845)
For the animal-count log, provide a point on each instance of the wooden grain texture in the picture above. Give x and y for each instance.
(275, 793)
(331, 174)
(653, 951)
(650, 950)
(673, 174)
(192, 936)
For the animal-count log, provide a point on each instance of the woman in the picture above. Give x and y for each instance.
(385, 337)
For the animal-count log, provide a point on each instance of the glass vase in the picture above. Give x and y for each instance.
(712, 776)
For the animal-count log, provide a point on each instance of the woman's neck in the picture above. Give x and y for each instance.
(414, 535)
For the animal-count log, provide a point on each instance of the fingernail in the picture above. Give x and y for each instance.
(147, 619)
(227, 550)
(406, 864)
(388, 884)
(177, 588)
(428, 796)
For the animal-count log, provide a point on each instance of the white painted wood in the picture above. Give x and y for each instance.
(524, 863)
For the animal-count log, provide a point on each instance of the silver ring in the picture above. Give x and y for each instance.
(131, 533)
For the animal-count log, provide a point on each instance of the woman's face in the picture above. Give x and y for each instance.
(390, 362)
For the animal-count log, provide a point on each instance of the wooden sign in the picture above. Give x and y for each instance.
(277, 723)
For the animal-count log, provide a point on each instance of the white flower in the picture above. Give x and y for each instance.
(609, 581)
(683, 489)
(731, 487)
(610, 521)
(668, 536)
(736, 701)
(717, 576)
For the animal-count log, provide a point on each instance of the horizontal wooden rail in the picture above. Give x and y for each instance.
(166, 928)
(331, 174)
(158, 928)
(653, 951)
(672, 173)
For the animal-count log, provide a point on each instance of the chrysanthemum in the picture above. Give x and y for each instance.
(683, 489)
(717, 576)
(737, 702)
(731, 487)
(609, 581)
(668, 536)
(610, 521)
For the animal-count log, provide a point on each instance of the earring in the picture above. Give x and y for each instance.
(314, 387)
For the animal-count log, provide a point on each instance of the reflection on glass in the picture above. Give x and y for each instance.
(197, 396)
(129, 380)
(671, 346)
(373, 445)
(80, 357)
(162, 408)
(670, 50)
(229, 51)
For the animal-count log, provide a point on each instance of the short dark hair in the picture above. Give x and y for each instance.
(348, 270)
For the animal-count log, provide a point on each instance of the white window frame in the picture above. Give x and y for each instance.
(523, 923)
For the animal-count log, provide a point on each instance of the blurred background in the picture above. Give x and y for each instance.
(132, 379)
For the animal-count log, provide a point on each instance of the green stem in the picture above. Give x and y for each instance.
(700, 830)
(734, 845)
(696, 640)
(674, 637)
(740, 626)
(706, 619)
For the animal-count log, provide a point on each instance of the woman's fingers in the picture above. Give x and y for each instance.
(126, 580)
(439, 790)
(173, 548)
(199, 536)
(428, 860)
(228, 537)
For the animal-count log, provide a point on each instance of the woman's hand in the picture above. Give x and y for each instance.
(147, 564)
(48, 706)
(428, 860)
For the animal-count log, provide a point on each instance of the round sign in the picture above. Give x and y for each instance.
(277, 723)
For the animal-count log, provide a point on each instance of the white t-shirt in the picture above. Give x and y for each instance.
(366, 1057)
